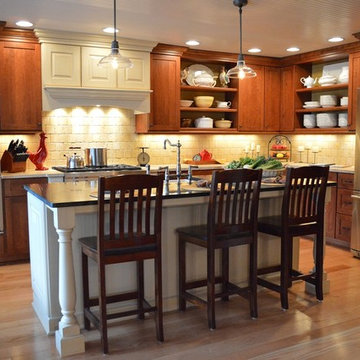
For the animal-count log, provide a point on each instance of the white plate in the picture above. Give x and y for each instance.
(311, 106)
(196, 70)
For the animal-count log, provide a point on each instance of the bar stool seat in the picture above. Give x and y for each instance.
(130, 230)
(302, 214)
(232, 221)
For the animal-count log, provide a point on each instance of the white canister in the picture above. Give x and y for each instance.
(344, 75)
(309, 121)
(343, 119)
(344, 101)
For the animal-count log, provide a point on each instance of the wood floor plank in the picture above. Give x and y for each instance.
(308, 330)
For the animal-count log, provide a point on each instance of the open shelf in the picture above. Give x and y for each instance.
(208, 88)
(323, 88)
(207, 130)
(207, 109)
(323, 109)
(333, 130)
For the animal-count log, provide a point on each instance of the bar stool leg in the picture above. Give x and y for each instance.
(140, 287)
(253, 280)
(225, 271)
(211, 289)
(284, 274)
(158, 298)
(182, 274)
(85, 279)
(102, 306)
(319, 264)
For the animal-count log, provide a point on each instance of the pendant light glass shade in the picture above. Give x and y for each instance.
(116, 60)
(240, 71)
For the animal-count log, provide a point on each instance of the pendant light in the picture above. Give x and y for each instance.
(241, 71)
(115, 58)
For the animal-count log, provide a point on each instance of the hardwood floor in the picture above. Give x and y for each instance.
(308, 330)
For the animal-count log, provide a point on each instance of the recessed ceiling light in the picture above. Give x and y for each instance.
(293, 49)
(110, 30)
(254, 50)
(192, 43)
(336, 39)
(24, 23)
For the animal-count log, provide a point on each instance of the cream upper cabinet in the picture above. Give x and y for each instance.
(95, 76)
(60, 65)
(138, 76)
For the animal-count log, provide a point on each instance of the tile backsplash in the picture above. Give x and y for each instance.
(115, 129)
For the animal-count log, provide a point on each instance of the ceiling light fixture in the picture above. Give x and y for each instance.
(192, 43)
(293, 49)
(115, 58)
(110, 30)
(336, 39)
(24, 23)
(254, 50)
(241, 71)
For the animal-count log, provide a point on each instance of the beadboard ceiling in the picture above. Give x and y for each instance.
(272, 25)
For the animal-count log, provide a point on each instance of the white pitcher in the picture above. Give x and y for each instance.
(308, 82)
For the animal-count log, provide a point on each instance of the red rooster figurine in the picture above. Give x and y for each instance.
(38, 157)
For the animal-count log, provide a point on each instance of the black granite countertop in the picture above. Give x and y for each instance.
(82, 193)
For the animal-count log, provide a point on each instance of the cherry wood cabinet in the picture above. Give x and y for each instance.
(339, 211)
(272, 84)
(20, 83)
(354, 85)
(15, 243)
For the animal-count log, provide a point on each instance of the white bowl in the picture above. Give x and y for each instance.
(186, 103)
(326, 120)
(203, 101)
(224, 124)
(204, 122)
(311, 103)
(328, 100)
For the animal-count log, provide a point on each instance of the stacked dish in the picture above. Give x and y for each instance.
(328, 100)
(309, 121)
(326, 120)
(311, 104)
(343, 119)
(186, 103)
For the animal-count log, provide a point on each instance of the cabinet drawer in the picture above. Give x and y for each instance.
(343, 227)
(346, 181)
(15, 187)
(344, 201)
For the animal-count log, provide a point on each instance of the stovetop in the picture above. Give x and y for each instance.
(118, 167)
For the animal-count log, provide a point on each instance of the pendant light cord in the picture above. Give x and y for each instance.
(240, 57)
(114, 20)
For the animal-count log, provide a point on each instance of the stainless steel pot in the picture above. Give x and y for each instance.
(96, 157)
(74, 161)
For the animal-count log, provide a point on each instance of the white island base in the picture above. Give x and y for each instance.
(56, 260)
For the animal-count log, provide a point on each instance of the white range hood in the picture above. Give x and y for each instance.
(71, 77)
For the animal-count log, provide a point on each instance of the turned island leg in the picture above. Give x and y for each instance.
(69, 340)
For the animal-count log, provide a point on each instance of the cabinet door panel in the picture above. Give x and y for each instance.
(330, 209)
(138, 76)
(346, 181)
(344, 201)
(272, 99)
(94, 75)
(165, 104)
(287, 106)
(343, 227)
(251, 101)
(20, 87)
(61, 65)
(354, 84)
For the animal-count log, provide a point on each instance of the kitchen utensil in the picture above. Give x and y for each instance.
(143, 158)
(326, 120)
(195, 71)
(205, 155)
(327, 79)
(96, 156)
(186, 103)
(204, 122)
(204, 80)
(203, 101)
(223, 104)
(328, 100)
(343, 119)
(187, 122)
(74, 161)
(222, 123)
(308, 82)
(344, 101)
(309, 121)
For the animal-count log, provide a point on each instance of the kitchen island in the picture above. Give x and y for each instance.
(61, 213)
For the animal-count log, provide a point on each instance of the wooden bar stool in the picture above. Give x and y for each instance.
(302, 214)
(129, 231)
(232, 221)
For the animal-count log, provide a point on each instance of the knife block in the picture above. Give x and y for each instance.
(12, 163)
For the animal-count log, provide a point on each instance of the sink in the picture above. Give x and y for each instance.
(185, 187)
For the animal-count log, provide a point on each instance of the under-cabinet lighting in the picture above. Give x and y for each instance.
(336, 39)
(192, 43)
(254, 50)
(24, 23)
(293, 49)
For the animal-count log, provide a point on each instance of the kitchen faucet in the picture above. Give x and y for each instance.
(178, 164)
